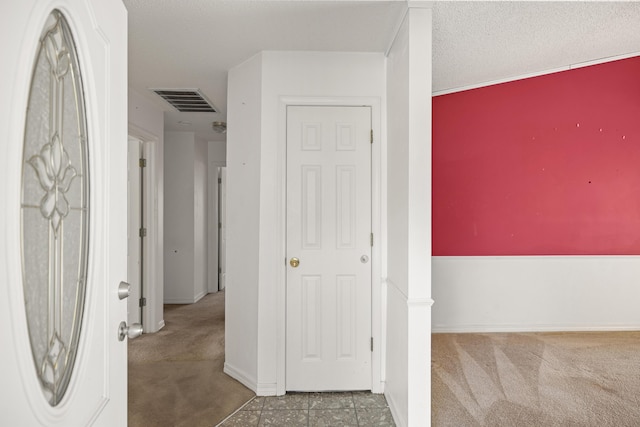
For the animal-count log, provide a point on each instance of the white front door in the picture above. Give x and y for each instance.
(63, 216)
(328, 248)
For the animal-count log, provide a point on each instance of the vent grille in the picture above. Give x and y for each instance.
(186, 100)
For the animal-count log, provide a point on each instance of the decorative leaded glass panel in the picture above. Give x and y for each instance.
(55, 210)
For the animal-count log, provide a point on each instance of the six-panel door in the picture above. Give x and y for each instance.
(329, 232)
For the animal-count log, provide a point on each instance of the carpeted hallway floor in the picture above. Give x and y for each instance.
(536, 379)
(175, 375)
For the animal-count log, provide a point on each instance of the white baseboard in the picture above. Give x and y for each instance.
(395, 411)
(266, 389)
(242, 377)
(155, 328)
(377, 387)
(535, 293)
(462, 329)
(200, 296)
(186, 300)
(179, 301)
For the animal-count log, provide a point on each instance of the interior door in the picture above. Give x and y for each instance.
(63, 222)
(328, 339)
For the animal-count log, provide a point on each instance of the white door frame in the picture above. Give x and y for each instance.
(213, 233)
(152, 266)
(377, 305)
(222, 231)
(134, 223)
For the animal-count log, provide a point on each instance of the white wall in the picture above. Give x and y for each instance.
(536, 293)
(408, 374)
(217, 151)
(255, 185)
(146, 122)
(179, 215)
(185, 218)
(243, 220)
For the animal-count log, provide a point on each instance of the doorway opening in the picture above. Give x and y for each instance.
(222, 227)
(136, 230)
(144, 304)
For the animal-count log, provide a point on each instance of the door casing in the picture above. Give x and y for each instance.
(152, 314)
(135, 260)
(378, 217)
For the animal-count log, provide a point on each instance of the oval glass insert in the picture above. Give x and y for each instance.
(55, 211)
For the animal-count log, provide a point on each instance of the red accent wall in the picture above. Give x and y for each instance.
(548, 165)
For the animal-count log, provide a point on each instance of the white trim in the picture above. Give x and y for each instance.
(500, 328)
(419, 302)
(377, 381)
(195, 299)
(181, 300)
(267, 389)
(536, 74)
(235, 412)
(395, 410)
(213, 234)
(200, 296)
(396, 32)
(141, 133)
(604, 60)
(535, 293)
(539, 257)
(152, 265)
(241, 376)
(411, 4)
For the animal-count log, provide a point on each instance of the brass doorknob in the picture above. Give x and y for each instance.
(294, 262)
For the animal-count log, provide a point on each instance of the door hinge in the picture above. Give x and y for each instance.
(143, 302)
(219, 180)
(143, 163)
(371, 343)
(143, 232)
(220, 225)
(219, 270)
(371, 136)
(371, 239)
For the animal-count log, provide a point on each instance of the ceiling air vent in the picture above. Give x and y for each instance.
(186, 100)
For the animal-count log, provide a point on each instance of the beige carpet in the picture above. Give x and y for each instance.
(175, 375)
(536, 379)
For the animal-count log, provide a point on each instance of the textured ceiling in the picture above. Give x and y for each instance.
(478, 42)
(193, 43)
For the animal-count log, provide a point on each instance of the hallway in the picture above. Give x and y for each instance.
(175, 375)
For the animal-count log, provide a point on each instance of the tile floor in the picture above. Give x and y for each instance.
(314, 410)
